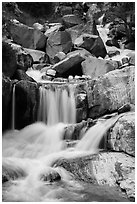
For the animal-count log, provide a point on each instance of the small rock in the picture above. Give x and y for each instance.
(59, 56)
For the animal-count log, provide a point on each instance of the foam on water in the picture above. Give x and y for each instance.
(34, 150)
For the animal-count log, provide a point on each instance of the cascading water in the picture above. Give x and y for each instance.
(57, 105)
(29, 155)
(13, 109)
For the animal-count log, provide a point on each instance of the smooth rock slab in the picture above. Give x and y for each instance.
(95, 67)
(122, 135)
(105, 168)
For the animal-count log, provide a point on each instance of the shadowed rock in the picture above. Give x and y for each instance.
(26, 36)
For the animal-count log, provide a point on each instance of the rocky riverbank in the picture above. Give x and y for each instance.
(71, 49)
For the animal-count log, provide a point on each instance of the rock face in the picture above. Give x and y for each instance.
(26, 103)
(23, 58)
(72, 59)
(9, 63)
(122, 136)
(21, 75)
(105, 168)
(26, 36)
(109, 92)
(96, 67)
(6, 102)
(59, 41)
(15, 57)
(92, 43)
(70, 20)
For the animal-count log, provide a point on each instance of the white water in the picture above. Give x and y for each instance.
(57, 105)
(32, 152)
(13, 109)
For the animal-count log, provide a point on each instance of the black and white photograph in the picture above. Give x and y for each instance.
(68, 101)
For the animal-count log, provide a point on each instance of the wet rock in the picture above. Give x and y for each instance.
(26, 36)
(72, 59)
(9, 63)
(95, 67)
(81, 114)
(112, 53)
(122, 135)
(75, 131)
(92, 43)
(70, 20)
(37, 55)
(10, 171)
(21, 75)
(50, 175)
(26, 103)
(59, 41)
(108, 93)
(104, 168)
(112, 42)
(6, 102)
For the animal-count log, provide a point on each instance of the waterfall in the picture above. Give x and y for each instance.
(13, 109)
(32, 151)
(93, 136)
(57, 105)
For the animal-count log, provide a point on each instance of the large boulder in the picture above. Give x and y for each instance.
(72, 59)
(108, 93)
(59, 41)
(26, 103)
(122, 135)
(70, 20)
(95, 67)
(26, 36)
(88, 28)
(105, 168)
(92, 43)
(6, 102)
